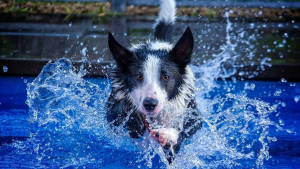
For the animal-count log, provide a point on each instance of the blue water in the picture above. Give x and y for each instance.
(57, 120)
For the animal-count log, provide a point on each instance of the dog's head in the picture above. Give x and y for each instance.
(153, 73)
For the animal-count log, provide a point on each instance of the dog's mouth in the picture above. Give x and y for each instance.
(153, 113)
(150, 114)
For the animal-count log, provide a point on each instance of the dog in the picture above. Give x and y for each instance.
(153, 86)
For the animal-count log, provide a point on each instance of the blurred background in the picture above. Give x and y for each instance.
(35, 32)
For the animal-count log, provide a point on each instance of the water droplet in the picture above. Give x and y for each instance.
(283, 41)
(296, 98)
(259, 13)
(293, 84)
(230, 95)
(242, 73)
(70, 24)
(25, 80)
(100, 60)
(5, 69)
(226, 14)
(252, 86)
(283, 80)
(84, 51)
(278, 92)
(280, 45)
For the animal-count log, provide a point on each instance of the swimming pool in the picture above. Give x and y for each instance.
(85, 147)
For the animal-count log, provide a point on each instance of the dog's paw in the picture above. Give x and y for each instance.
(167, 137)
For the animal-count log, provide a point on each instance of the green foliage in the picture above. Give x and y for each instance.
(211, 12)
(69, 10)
(100, 8)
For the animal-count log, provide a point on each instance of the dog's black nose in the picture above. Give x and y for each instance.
(150, 103)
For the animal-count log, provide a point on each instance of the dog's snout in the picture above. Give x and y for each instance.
(150, 103)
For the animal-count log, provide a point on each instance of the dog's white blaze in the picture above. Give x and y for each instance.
(150, 86)
(151, 83)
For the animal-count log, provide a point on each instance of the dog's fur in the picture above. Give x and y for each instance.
(154, 83)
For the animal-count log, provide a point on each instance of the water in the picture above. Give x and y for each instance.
(68, 128)
(245, 123)
(5, 69)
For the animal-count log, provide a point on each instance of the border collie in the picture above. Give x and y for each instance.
(153, 87)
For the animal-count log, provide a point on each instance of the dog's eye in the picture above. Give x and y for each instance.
(165, 77)
(139, 77)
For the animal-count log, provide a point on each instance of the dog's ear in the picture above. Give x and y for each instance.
(120, 53)
(182, 51)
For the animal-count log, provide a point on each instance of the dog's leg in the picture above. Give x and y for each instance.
(192, 122)
(119, 112)
(115, 111)
(165, 136)
(170, 139)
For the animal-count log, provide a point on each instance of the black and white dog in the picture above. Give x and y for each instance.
(153, 86)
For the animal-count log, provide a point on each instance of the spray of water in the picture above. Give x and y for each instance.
(236, 128)
(69, 129)
(68, 124)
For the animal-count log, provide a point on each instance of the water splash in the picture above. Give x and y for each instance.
(68, 124)
(69, 129)
(236, 128)
(5, 69)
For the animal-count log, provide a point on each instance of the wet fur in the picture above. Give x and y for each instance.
(176, 108)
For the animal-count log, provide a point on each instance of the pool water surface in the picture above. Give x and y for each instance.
(18, 149)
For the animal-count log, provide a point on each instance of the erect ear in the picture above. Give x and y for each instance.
(121, 54)
(182, 51)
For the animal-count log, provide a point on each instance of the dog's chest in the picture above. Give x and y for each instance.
(170, 117)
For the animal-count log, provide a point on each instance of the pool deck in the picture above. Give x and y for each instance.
(28, 42)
